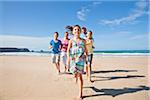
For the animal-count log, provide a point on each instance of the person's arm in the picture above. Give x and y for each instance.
(60, 45)
(85, 48)
(68, 52)
(93, 43)
(50, 46)
(69, 47)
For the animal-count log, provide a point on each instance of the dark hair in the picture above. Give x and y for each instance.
(56, 33)
(77, 26)
(66, 32)
(90, 31)
(84, 28)
(69, 27)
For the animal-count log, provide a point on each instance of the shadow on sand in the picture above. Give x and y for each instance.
(111, 71)
(116, 77)
(116, 92)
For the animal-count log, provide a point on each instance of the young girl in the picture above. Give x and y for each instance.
(89, 46)
(65, 42)
(76, 51)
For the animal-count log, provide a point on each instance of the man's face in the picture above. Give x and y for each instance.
(83, 30)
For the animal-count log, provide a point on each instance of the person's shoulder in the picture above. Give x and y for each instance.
(70, 40)
(51, 41)
(59, 40)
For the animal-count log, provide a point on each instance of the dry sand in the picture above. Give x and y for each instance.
(34, 78)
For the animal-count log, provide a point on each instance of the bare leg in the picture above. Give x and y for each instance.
(65, 68)
(80, 82)
(68, 64)
(76, 77)
(58, 67)
(87, 74)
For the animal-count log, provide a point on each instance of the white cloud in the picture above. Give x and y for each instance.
(139, 11)
(82, 13)
(33, 43)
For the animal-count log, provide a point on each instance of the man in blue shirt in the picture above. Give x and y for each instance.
(55, 45)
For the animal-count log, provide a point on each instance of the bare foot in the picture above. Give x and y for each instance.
(90, 80)
(78, 98)
(65, 70)
(58, 72)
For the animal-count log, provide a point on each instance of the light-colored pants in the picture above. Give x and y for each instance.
(64, 57)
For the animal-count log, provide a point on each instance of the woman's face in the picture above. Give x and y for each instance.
(66, 34)
(76, 31)
(89, 35)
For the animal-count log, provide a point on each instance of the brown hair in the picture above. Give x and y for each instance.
(56, 33)
(84, 28)
(77, 26)
(91, 32)
(69, 27)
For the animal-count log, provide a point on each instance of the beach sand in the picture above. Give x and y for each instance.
(34, 78)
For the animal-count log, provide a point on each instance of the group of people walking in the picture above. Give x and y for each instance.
(75, 52)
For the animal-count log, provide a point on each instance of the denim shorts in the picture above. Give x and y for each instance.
(89, 59)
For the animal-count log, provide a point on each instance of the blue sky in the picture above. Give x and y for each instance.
(117, 25)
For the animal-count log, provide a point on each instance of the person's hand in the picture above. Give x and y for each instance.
(93, 47)
(49, 47)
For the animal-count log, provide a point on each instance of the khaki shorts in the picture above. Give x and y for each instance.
(55, 58)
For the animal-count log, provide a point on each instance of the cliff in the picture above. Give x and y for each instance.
(14, 50)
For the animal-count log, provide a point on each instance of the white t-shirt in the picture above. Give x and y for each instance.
(83, 36)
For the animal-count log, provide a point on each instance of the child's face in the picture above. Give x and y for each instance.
(76, 31)
(66, 34)
(89, 35)
(55, 36)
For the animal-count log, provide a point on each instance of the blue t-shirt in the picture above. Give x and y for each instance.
(55, 46)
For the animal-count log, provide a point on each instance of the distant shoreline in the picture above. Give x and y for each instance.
(26, 52)
(48, 54)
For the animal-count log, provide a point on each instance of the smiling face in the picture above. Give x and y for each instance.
(66, 34)
(55, 35)
(89, 35)
(76, 31)
(84, 30)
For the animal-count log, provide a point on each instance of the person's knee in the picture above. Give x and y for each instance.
(80, 76)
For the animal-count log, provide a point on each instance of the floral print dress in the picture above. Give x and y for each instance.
(77, 57)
